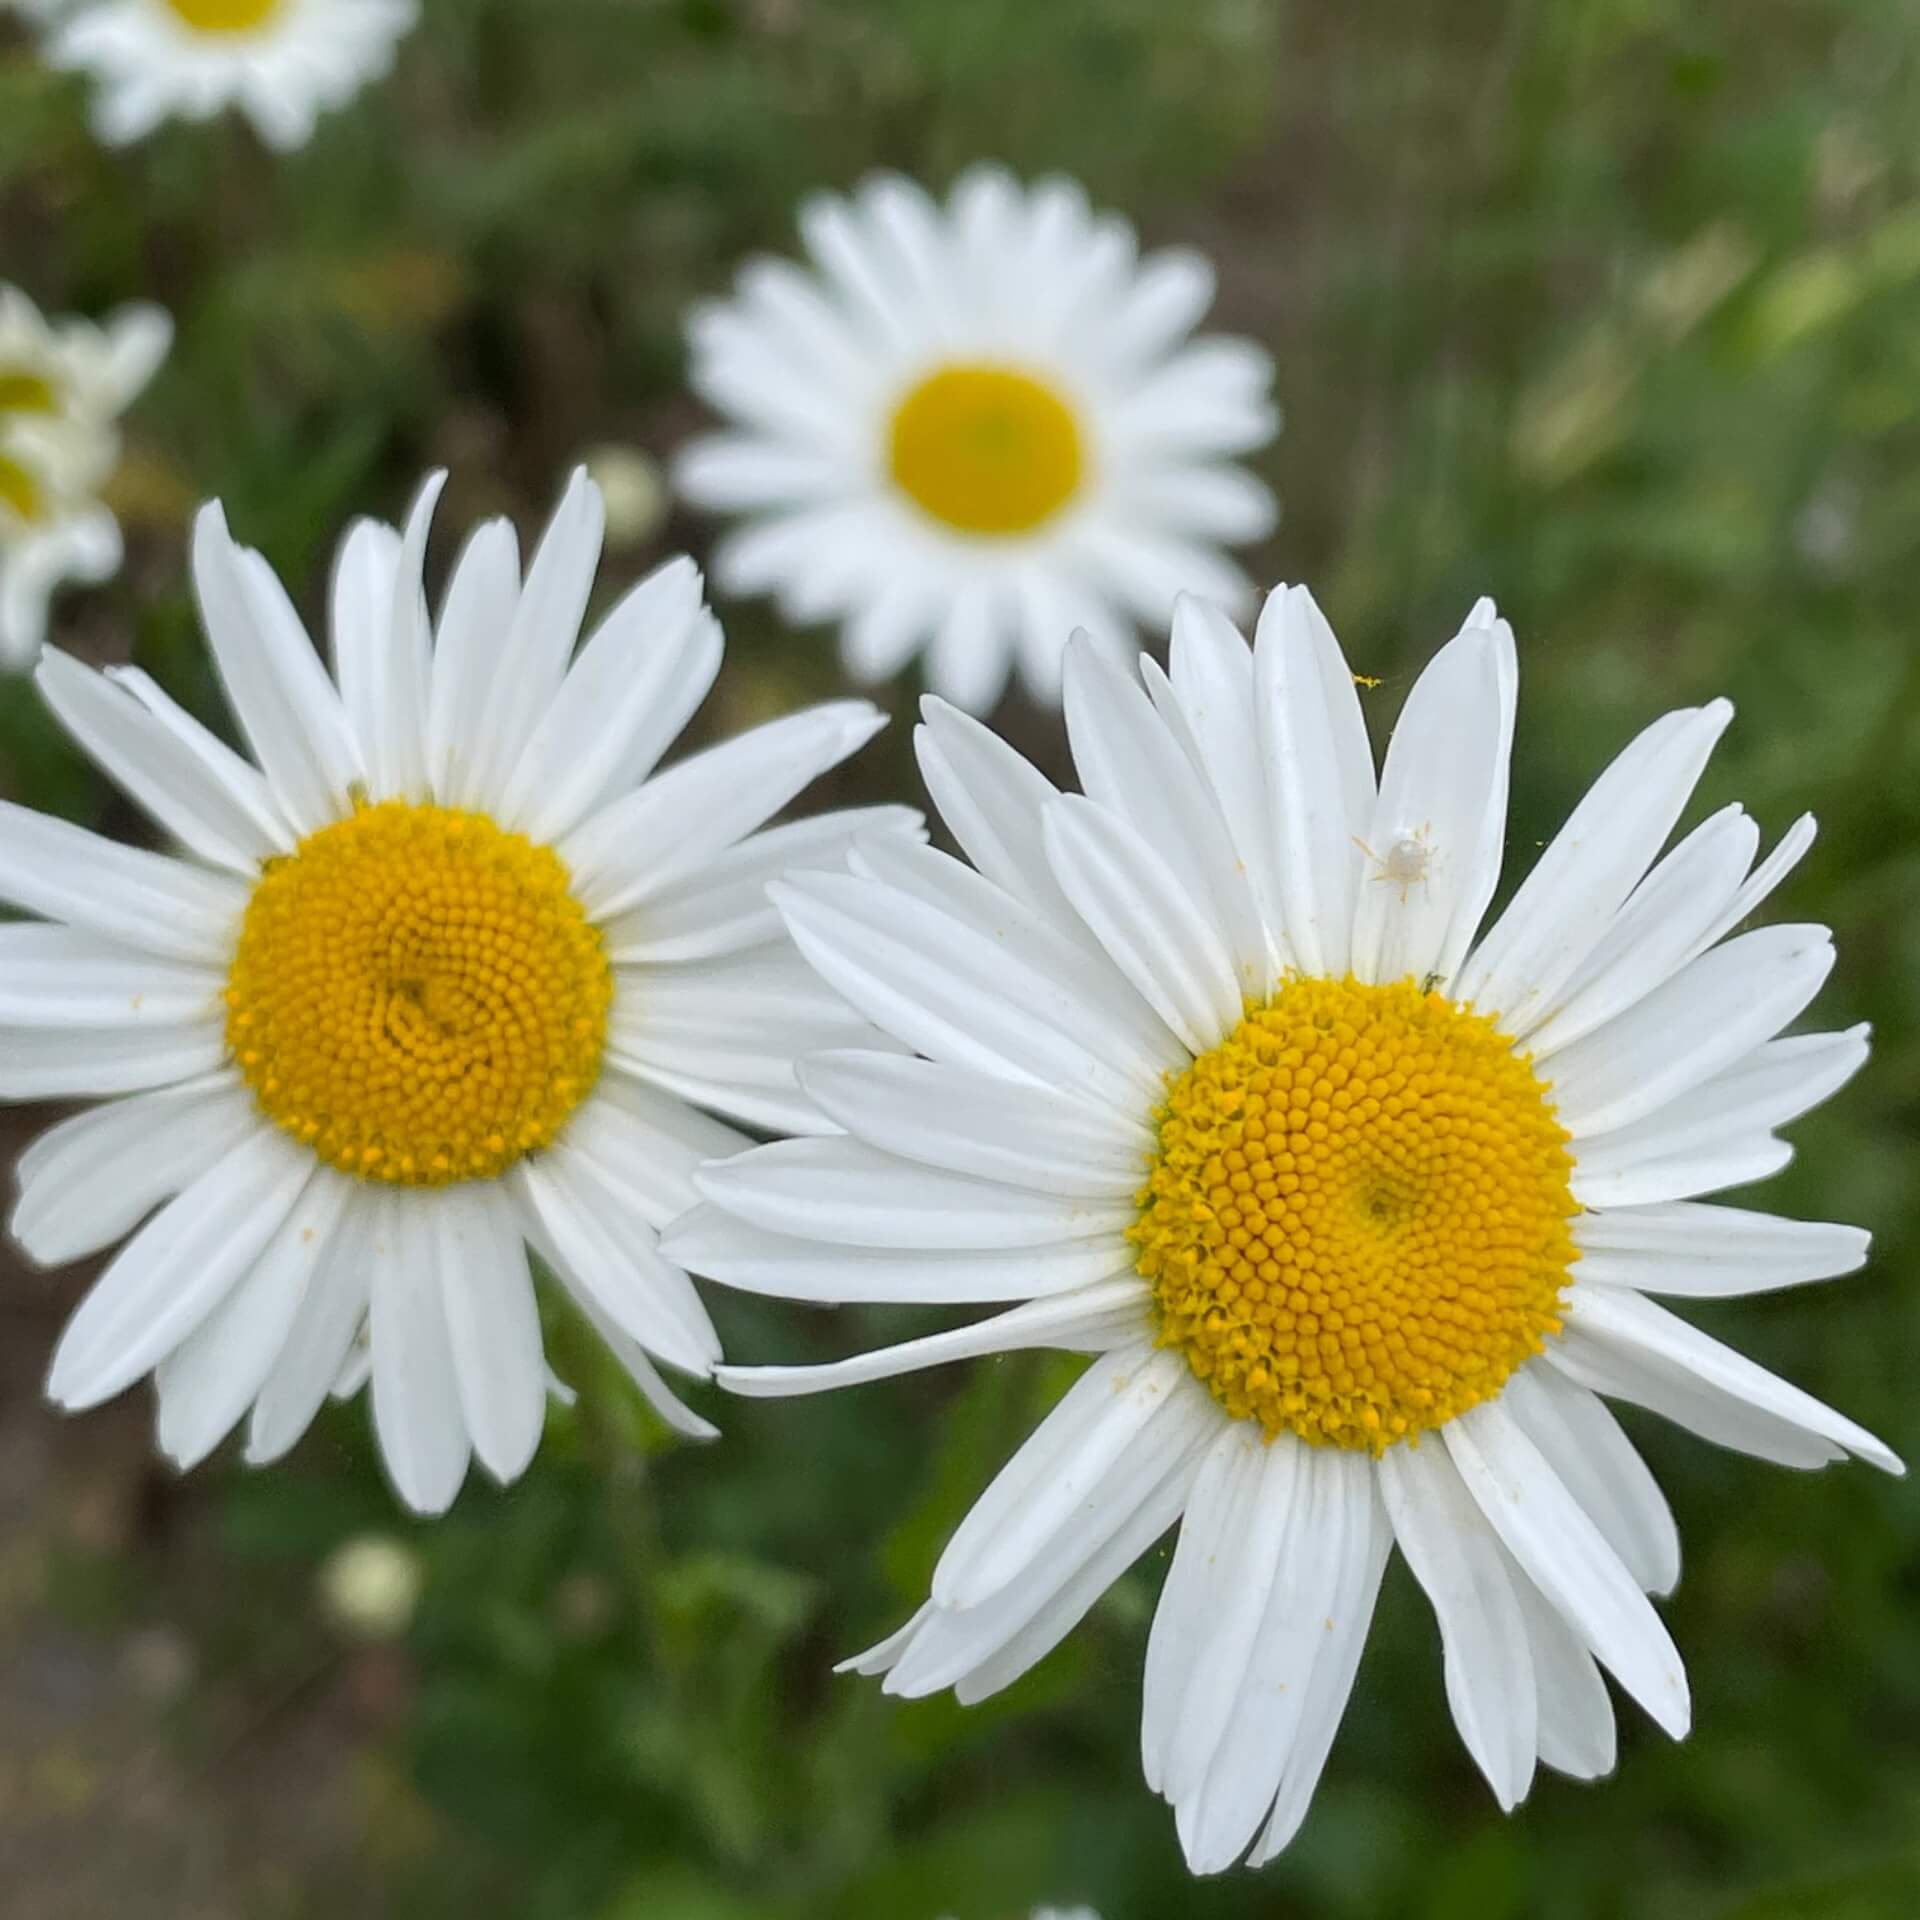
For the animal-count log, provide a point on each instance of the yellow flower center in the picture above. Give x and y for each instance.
(24, 391)
(20, 491)
(986, 450)
(1357, 1226)
(225, 16)
(417, 996)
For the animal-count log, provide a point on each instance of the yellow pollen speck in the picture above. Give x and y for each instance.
(225, 16)
(986, 450)
(417, 996)
(1357, 1224)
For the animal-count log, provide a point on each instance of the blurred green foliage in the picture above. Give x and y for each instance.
(1611, 309)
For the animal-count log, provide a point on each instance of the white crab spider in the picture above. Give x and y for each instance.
(1405, 864)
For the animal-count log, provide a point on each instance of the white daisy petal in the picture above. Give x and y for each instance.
(1655, 1345)
(416, 1393)
(1563, 907)
(1712, 1013)
(1767, 1089)
(1630, 1177)
(956, 994)
(55, 977)
(532, 660)
(322, 1335)
(1131, 766)
(159, 770)
(1091, 1319)
(1577, 1732)
(95, 1177)
(1656, 932)
(1330, 1676)
(724, 908)
(609, 694)
(280, 693)
(206, 1384)
(1711, 1252)
(978, 1649)
(483, 593)
(650, 1144)
(1422, 849)
(992, 801)
(70, 1062)
(980, 1124)
(756, 1261)
(241, 783)
(1320, 782)
(493, 1327)
(661, 832)
(1582, 1442)
(1322, 1561)
(1062, 1463)
(851, 1195)
(609, 1254)
(177, 1269)
(1145, 920)
(1565, 1555)
(1212, 680)
(1459, 1564)
(144, 900)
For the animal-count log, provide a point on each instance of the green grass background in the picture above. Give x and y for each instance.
(1611, 310)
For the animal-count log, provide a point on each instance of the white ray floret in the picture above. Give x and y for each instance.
(289, 1084)
(973, 425)
(1098, 1012)
(63, 386)
(281, 63)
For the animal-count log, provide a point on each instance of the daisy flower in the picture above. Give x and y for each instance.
(281, 62)
(62, 386)
(973, 427)
(446, 971)
(1360, 1209)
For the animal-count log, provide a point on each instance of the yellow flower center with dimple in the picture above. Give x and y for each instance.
(24, 391)
(20, 491)
(225, 16)
(417, 996)
(986, 450)
(1357, 1223)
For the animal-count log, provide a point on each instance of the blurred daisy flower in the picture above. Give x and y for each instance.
(1359, 1208)
(972, 428)
(446, 971)
(281, 62)
(63, 384)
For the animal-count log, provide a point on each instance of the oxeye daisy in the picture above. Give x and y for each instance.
(446, 971)
(62, 387)
(1359, 1209)
(281, 62)
(973, 427)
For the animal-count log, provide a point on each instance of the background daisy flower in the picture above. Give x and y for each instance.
(974, 427)
(281, 62)
(63, 384)
(1360, 1210)
(447, 971)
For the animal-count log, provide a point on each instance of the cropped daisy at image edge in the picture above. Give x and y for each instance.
(64, 384)
(967, 428)
(447, 971)
(281, 63)
(1362, 1210)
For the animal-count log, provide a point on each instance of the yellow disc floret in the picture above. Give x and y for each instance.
(1357, 1224)
(20, 492)
(417, 995)
(986, 450)
(226, 16)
